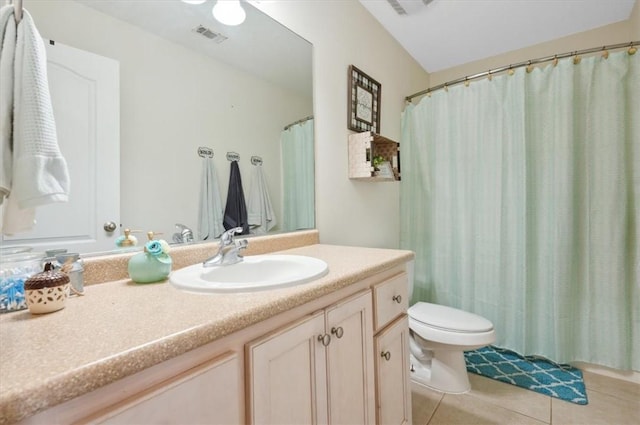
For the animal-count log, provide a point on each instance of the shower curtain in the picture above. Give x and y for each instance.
(298, 177)
(520, 196)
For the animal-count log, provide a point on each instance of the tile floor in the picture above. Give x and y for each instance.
(611, 402)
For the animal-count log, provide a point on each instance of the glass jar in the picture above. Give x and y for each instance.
(76, 276)
(14, 270)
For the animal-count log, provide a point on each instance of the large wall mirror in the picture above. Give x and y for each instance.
(186, 81)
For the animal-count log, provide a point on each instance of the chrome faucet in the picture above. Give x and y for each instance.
(185, 235)
(228, 250)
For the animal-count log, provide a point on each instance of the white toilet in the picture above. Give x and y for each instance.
(439, 336)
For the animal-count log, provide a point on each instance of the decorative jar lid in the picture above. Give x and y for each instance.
(46, 279)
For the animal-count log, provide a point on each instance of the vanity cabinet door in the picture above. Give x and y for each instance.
(210, 393)
(350, 361)
(393, 386)
(287, 375)
(318, 370)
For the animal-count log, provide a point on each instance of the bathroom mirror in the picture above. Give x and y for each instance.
(188, 81)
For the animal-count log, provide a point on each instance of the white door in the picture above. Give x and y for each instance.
(85, 92)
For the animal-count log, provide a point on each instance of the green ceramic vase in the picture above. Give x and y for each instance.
(146, 268)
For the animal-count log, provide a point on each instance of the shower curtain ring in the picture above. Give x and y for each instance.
(529, 67)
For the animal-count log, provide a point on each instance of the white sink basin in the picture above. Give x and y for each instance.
(254, 273)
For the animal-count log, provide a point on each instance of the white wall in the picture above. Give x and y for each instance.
(619, 32)
(344, 33)
(172, 101)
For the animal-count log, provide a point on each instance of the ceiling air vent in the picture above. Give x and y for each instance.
(406, 7)
(211, 35)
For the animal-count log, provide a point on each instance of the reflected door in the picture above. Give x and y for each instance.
(85, 92)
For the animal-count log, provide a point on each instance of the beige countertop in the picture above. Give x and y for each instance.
(119, 328)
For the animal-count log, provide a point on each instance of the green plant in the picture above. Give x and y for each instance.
(377, 160)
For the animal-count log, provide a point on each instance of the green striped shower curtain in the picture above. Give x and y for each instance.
(521, 197)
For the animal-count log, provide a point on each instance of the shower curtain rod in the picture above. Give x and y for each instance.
(521, 64)
(310, 117)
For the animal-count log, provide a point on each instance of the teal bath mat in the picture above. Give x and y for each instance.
(531, 372)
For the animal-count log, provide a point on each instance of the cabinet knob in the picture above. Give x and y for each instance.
(325, 339)
(397, 298)
(338, 332)
(386, 355)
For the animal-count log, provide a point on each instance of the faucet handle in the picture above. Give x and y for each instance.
(227, 237)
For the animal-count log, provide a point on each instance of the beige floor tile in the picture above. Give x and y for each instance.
(526, 402)
(467, 410)
(615, 387)
(602, 409)
(423, 403)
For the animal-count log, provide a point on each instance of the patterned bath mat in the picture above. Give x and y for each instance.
(531, 372)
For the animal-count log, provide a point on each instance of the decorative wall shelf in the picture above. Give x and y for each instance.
(363, 148)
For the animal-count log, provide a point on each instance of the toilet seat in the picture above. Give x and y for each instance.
(448, 318)
(450, 326)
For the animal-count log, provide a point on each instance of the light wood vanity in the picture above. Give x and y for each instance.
(330, 351)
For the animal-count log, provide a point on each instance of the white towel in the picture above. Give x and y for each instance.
(35, 173)
(260, 212)
(211, 213)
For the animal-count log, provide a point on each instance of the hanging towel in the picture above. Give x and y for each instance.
(235, 214)
(210, 209)
(34, 172)
(260, 212)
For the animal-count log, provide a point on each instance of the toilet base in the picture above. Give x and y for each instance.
(447, 372)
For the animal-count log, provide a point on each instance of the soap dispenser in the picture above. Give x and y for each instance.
(153, 264)
(127, 240)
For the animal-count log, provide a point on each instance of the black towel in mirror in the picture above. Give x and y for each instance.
(235, 213)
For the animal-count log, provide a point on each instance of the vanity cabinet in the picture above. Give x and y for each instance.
(337, 359)
(391, 340)
(393, 385)
(207, 394)
(316, 370)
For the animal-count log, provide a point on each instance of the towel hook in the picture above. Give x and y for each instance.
(256, 160)
(205, 152)
(17, 10)
(233, 156)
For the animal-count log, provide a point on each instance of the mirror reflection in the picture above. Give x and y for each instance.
(183, 81)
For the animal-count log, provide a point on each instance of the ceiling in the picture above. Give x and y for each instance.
(260, 46)
(446, 33)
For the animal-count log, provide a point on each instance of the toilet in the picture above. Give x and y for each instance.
(438, 337)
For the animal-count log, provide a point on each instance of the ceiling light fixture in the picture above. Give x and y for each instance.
(229, 12)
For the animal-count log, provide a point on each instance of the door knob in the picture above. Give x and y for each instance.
(109, 226)
(386, 355)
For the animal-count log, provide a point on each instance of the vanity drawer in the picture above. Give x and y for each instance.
(390, 300)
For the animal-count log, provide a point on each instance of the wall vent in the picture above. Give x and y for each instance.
(211, 35)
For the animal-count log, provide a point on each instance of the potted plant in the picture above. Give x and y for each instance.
(377, 160)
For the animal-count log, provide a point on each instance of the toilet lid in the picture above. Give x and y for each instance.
(449, 318)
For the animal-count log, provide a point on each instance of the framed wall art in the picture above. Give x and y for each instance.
(364, 102)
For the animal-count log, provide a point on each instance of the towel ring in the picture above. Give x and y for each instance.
(233, 156)
(256, 160)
